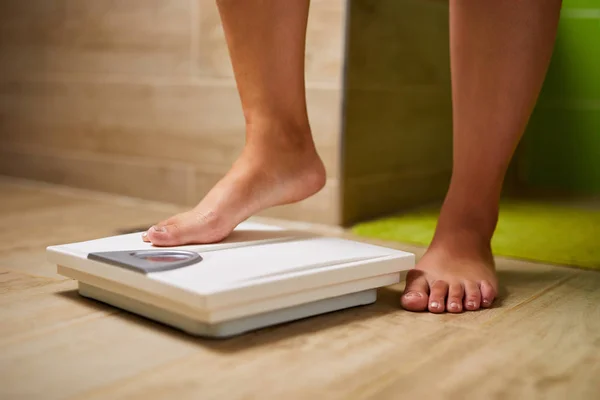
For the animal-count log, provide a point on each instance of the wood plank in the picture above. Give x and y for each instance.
(34, 306)
(328, 356)
(520, 282)
(13, 282)
(141, 37)
(16, 199)
(548, 348)
(31, 261)
(86, 354)
(542, 340)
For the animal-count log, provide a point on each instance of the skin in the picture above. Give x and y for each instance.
(500, 51)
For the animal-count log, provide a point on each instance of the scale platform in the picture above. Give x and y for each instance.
(261, 275)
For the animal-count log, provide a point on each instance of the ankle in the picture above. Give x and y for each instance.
(460, 241)
(272, 136)
(468, 216)
(267, 120)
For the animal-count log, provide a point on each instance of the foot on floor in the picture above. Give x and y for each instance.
(456, 274)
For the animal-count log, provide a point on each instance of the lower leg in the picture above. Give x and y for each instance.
(279, 164)
(500, 51)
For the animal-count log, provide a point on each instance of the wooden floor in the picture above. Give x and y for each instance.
(542, 341)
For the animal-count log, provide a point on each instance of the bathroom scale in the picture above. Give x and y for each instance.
(259, 276)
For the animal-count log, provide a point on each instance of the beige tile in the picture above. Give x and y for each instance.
(150, 180)
(321, 208)
(393, 44)
(200, 124)
(204, 181)
(140, 37)
(324, 42)
(212, 55)
(177, 122)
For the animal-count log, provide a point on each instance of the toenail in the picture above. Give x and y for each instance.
(471, 304)
(435, 304)
(412, 294)
(486, 302)
(159, 228)
(144, 234)
(454, 305)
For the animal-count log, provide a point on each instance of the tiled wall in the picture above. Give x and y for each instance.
(137, 97)
(397, 113)
(561, 149)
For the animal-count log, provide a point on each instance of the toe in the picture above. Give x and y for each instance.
(472, 296)
(415, 293)
(456, 293)
(437, 297)
(145, 237)
(165, 235)
(188, 228)
(174, 231)
(488, 294)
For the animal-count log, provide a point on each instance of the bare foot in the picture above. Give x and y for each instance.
(279, 168)
(456, 274)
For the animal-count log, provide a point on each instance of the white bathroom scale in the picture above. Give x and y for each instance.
(260, 276)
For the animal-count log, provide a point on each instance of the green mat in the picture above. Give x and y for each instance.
(526, 230)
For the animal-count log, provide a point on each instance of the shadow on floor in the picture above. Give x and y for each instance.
(387, 303)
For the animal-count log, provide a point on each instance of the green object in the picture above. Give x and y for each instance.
(562, 139)
(526, 230)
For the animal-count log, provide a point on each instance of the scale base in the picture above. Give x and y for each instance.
(231, 328)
